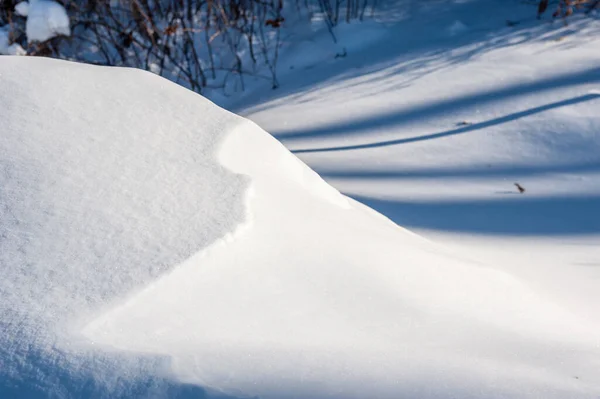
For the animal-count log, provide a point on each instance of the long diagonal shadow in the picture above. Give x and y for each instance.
(396, 118)
(513, 171)
(461, 130)
(516, 216)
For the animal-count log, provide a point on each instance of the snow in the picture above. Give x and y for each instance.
(22, 8)
(45, 20)
(155, 68)
(16, 49)
(109, 180)
(5, 47)
(321, 297)
(155, 245)
(457, 28)
(433, 133)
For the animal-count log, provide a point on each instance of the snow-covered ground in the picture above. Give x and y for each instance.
(154, 245)
(438, 110)
(433, 126)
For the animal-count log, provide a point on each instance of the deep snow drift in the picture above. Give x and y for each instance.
(153, 243)
(108, 180)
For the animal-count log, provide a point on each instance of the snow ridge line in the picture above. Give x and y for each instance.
(220, 243)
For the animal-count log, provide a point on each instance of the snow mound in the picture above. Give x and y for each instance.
(45, 20)
(22, 8)
(108, 179)
(153, 243)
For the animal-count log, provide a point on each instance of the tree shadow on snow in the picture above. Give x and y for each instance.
(394, 120)
(517, 215)
(524, 171)
(418, 45)
(507, 213)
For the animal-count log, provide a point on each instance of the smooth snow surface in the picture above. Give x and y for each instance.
(154, 245)
(432, 127)
(45, 20)
(322, 297)
(108, 180)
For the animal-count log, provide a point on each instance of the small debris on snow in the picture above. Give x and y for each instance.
(520, 188)
(343, 54)
(464, 123)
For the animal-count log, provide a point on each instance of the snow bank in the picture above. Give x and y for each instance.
(108, 179)
(152, 242)
(325, 298)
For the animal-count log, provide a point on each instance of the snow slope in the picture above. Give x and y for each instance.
(432, 128)
(154, 245)
(433, 117)
(108, 180)
(322, 297)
